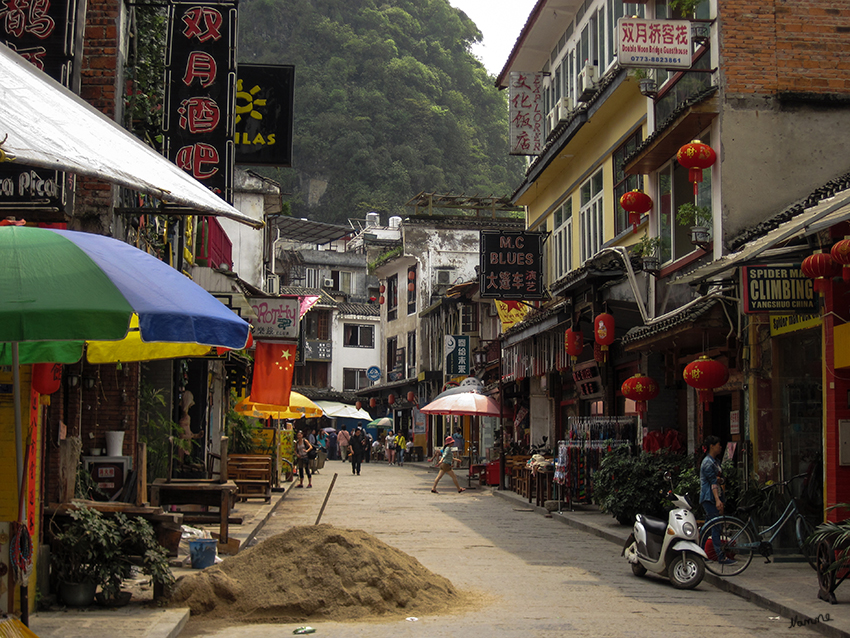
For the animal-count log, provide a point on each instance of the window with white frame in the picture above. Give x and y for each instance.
(562, 240)
(358, 336)
(590, 216)
(354, 379)
(312, 278)
(675, 189)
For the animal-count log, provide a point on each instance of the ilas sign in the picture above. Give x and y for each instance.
(511, 265)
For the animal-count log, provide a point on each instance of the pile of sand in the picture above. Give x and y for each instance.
(317, 571)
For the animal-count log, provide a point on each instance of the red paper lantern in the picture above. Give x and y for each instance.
(640, 389)
(411, 275)
(373, 402)
(381, 300)
(358, 405)
(411, 396)
(46, 377)
(603, 330)
(411, 286)
(840, 253)
(820, 267)
(705, 374)
(696, 156)
(636, 203)
(574, 344)
(382, 289)
(391, 399)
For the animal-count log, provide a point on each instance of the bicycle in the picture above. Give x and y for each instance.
(737, 536)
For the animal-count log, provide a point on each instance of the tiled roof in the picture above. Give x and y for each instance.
(687, 315)
(363, 309)
(324, 298)
(537, 315)
(823, 192)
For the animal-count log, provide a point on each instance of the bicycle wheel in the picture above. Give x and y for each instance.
(804, 530)
(736, 545)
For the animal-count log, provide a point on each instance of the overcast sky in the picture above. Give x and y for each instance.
(501, 22)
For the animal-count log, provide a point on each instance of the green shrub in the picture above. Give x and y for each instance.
(628, 484)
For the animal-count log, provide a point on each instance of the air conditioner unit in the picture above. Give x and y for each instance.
(444, 277)
(552, 119)
(565, 108)
(273, 284)
(587, 82)
(327, 283)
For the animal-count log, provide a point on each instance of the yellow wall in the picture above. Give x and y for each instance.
(590, 149)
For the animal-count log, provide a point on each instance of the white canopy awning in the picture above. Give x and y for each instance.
(44, 124)
(335, 409)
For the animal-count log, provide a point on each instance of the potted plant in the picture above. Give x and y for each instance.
(686, 8)
(646, 81)
(698, 218)
(93, 550)
(647, 250)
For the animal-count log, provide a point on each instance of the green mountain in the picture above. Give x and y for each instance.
(389, 102)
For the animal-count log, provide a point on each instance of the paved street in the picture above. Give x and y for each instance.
(525, 574)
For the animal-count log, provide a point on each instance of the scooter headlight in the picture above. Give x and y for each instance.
(689, 529)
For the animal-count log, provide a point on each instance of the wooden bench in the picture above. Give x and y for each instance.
(252, 474)
(187, 492)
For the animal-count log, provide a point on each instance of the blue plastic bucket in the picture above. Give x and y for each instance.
(202, 552)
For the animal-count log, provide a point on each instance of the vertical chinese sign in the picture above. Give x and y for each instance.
(42, 32)
(457, 355)
(511, 265)
(526, 113)
(201, 91)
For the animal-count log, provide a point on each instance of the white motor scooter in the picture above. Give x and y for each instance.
(668, 547)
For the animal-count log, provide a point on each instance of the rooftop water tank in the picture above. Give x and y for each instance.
(395, 221)
(373, 219)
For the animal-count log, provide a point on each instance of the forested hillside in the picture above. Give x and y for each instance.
(389, 102)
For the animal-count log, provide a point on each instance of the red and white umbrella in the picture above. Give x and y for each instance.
(464, 403)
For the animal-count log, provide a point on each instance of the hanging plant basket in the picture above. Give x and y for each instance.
(648, 87)
(651, 264)
(700, 236)
(700, 32)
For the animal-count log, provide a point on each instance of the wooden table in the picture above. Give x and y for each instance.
(188, 492)
(543, 486)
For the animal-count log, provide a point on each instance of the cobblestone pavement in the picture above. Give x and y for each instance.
(531, 575)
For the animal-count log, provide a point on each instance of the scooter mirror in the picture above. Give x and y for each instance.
(667, 475)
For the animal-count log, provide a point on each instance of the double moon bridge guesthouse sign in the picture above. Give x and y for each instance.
(511, 265)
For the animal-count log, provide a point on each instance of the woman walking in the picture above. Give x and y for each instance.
(302, 449)
(446, 458)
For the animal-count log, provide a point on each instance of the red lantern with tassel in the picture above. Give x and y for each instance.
(640, 389)
(574, 344)
(840, 253)
(603, 330)
(391, 399)
(358, 405)
(820, 267)
(704, 375)
(46, 377)
(696, 156)
(636, 203)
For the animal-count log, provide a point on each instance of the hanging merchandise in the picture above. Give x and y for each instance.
(640, 389)
(589, 439)
(696, 156)
(705, 374)
(636, 203)
(603, 330)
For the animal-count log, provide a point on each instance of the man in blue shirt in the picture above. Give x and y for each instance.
(711, 492)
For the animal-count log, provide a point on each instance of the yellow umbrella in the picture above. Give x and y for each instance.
(299, 407)
(132, 348)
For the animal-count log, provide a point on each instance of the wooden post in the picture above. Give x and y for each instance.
(142, 474)
(222, 471)
(327, 496)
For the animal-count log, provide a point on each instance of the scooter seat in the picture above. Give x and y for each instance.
(653, 525)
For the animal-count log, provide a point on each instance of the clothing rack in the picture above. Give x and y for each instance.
(579, 456)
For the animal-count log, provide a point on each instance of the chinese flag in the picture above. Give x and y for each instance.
(274, 364)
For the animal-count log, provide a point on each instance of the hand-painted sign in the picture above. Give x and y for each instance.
(277, 317)
(778, 288)
(527, 136)
(264, 107)
(200, 92)
(511, 265)
(457, 355)
(664, 44)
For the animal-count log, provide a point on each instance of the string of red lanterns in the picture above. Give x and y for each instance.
(640, 389)
(574, 344)
(696, 156)
(636, 203)
(704, 375)
(820, 267)
(840, 253)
